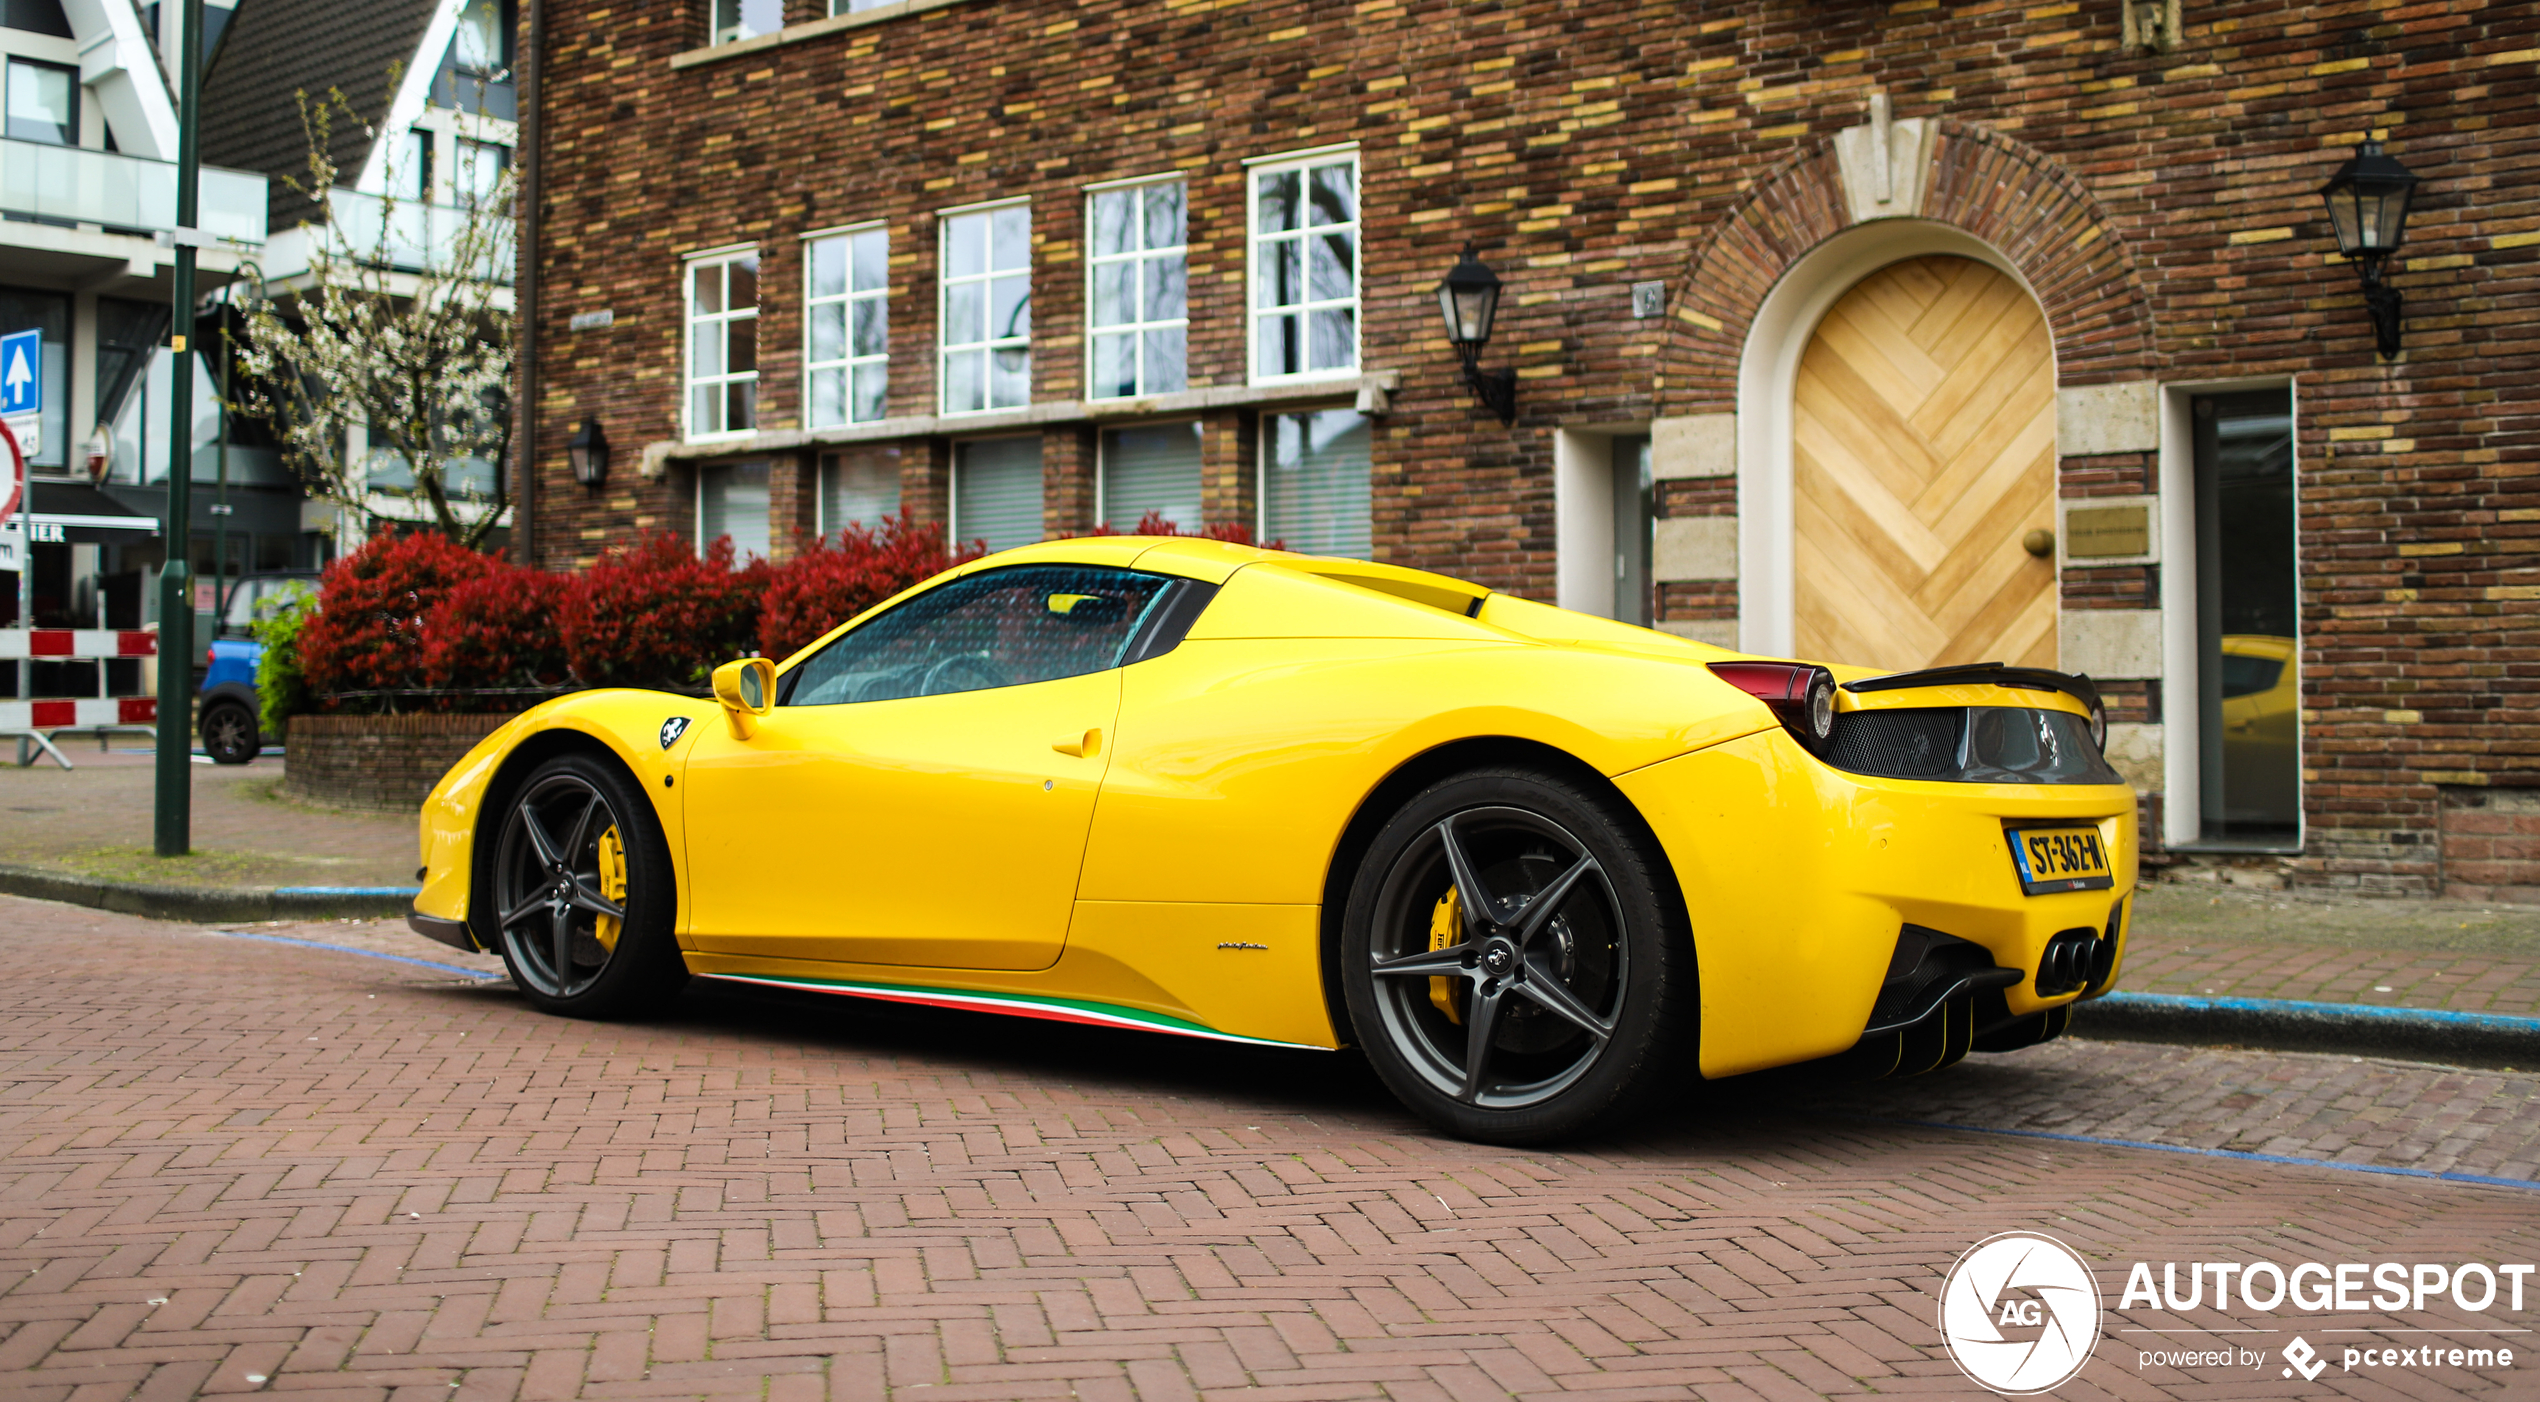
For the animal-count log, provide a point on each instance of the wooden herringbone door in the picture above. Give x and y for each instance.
(1924, 450)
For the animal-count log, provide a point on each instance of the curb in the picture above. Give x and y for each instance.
(2353, 1029)
(207, 905)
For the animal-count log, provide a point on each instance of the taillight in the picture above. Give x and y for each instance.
(1802, 695)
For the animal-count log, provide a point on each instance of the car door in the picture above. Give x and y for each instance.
(921, 792)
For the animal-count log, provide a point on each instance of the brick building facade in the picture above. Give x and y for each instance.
(1811, 187)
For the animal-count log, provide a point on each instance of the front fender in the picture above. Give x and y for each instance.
(628, 725)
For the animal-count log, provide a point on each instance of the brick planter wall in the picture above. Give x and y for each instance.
(376, 761)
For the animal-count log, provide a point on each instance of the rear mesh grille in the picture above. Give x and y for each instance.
(2007, 745)
(1897, 744)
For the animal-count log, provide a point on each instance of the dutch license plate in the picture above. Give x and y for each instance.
(2060, 859)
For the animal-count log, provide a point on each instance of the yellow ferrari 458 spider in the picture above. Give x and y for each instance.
(1537, 865)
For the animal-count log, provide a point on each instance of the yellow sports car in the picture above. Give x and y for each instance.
(1537, 865)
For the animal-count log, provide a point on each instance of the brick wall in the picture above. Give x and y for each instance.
(2162, 205)
(387, 762)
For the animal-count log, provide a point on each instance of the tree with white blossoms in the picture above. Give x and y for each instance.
(404, 329)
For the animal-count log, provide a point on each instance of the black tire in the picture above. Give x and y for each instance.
(585, 933)
(1590, 999)
(229, 733)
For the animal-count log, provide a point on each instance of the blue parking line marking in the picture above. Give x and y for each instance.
(365, 953)
(2500, 1022)
(348, 890)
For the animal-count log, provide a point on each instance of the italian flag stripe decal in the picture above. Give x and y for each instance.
(1012, 1004)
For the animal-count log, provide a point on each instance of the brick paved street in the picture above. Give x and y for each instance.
(229, 1165)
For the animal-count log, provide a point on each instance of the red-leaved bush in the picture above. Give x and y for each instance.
(1153, 523)
(825, 585)
(500, 629)
(369, 629)
(658, 614)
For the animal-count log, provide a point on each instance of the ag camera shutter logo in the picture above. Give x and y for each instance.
(2021, 1313)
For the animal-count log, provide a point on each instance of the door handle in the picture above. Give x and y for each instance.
(1089, 744)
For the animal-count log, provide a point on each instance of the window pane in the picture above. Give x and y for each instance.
(478, 45)
(1115, 293)
(829, 331)
(1010, 243)
(1009, 379)
(1008, 627)
(1281, 279)
(965, 314)
(997, 492)
(1315, 492)
(859, 486)
(828, 398)
(743, 272)
(1164, 215)
(705, 409)
(1166, 373)
(740, 406)
(42, 104)
(965, 245)
(732, 501)
(872, 261)
(965, 382)
(1335, 196)
(1009, 307)
(1151, 470)
(706, 361)
(1277, 194)
(740, 344)
(416, 179)
(706, 284)
(1115, 372)
(872, 326)
(1335, 341)
(1114, 228)
(1275, 346)
(1165, 294)
(872, 382)
(1330, 273)
(828, 267)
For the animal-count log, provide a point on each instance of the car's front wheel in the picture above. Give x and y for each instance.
(229, 733)
(583, 895)
(1514, 959)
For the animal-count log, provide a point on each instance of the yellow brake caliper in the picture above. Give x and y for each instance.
(612, 885)
(1445, 934)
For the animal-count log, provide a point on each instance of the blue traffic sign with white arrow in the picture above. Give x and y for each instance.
(22, 372)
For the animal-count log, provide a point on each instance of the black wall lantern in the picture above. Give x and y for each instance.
(589, 449)
(2368, 207)
(1469, 300)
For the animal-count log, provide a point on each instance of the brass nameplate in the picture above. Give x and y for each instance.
(2107, 532)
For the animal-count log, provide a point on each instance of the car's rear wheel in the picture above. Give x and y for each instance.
(583, 893)
(229, 733)
(1514, 959)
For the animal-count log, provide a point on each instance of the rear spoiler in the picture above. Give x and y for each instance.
(1987, 674)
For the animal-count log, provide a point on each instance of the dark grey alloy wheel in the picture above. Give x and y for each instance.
(229, 733)
(1510, 959)
(581, 893)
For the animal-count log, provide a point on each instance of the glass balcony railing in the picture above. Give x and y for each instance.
(412, 236)
(74, 185)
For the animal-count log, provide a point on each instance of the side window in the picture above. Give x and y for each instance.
(1009, 627)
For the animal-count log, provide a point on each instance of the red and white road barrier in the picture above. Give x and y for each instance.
(78, 713)
(75, 644)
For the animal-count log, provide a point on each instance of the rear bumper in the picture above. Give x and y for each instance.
(450, 932)
(1798, 878)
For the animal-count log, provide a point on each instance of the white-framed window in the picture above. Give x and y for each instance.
(723, 343)
(1304, 306)
(732, 501)
(846, 326)
(986, 314)
(849, 7)
(996, 491)
(1316, 496)
(477, 174)
(1136, 297)
(746, 19)
(1148, 470)
(414, 177)
(859, 486)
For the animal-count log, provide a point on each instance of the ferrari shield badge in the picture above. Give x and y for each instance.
(672, 729)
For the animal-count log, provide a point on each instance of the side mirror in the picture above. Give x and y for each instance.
(746, 690)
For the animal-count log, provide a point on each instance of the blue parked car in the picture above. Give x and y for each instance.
(225, 708)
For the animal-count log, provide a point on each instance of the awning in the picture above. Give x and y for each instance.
(78, 513)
